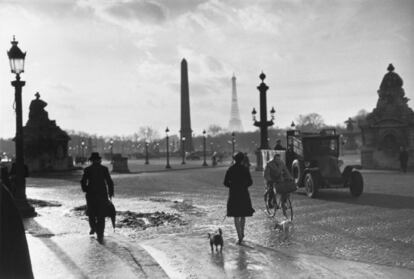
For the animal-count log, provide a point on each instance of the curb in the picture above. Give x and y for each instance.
(143, 260)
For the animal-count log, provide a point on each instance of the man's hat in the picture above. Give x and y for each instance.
(95, 156)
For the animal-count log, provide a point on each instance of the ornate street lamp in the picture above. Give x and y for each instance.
(272, 113)
(183, 150)
(204, 149)
(146, 152)
(16, 59)
(263, 123)
(83, 151)
(168, 148)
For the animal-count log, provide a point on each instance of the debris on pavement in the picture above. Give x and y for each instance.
(141, 221)
(42, 203)
(145, 220)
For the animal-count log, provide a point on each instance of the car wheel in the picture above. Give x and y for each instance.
(356, 184)
(297, 172)
(310, 185)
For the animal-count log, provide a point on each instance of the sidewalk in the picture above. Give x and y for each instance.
(60, 247)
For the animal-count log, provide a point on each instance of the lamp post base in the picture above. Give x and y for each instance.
(205, 164)
(25, 209)
(168, 167)
(259, 160)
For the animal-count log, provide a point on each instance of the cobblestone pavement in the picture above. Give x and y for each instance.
(376, 228)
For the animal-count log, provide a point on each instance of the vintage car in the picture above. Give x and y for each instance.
(313, 159)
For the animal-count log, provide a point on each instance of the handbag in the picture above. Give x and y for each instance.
(286, 186)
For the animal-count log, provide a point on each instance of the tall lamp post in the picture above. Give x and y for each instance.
(111, 145)
(263, 123)
(183, 150)
(167, 138)
(204, 148)
(83, 151)
(233, 142)
(16, 58)
(146, 152)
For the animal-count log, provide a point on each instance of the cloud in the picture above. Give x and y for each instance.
(144, 11)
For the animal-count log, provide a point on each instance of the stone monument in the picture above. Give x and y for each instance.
(185, 131)
(119, 163)
(45, 144)
(388, 127)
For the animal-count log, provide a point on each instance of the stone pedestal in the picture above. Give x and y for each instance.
(45, 143)
(120, 164)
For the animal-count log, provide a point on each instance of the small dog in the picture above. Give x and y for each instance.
(216, 239)
(286, 226)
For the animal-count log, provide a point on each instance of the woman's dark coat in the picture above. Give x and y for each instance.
(238, 179)
(14, 252)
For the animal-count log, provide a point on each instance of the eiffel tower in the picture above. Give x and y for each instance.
(235, 124)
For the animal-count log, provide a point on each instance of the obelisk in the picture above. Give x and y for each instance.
(185, 131)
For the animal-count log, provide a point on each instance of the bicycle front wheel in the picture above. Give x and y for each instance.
(270, 203)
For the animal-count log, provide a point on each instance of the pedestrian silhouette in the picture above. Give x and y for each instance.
(279, 145)
(239, 204)
(403, 158)
(97, 184)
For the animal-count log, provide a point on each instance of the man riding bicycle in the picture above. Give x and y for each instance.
(276, 172)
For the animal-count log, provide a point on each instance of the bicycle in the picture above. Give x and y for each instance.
(275, 201)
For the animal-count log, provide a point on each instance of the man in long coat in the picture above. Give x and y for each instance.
(97, 184)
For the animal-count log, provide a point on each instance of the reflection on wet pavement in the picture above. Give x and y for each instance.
(374, 229)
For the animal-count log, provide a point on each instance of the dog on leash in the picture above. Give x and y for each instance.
(216, 239)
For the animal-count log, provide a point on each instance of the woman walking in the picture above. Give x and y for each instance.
(239, 205)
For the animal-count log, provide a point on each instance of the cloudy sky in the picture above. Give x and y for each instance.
(109, 67)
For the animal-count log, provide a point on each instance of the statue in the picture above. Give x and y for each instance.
(45, 143)
(350, 124)
(37, 109)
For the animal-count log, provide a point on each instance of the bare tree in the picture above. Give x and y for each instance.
(148, 133)
(310, 122)
(214, 130)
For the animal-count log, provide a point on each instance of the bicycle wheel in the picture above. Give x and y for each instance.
(270, 203)
(285, 208)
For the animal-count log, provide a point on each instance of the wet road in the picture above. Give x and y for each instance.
(334, 235)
